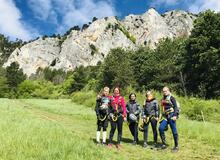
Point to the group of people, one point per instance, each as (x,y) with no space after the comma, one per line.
(116,110)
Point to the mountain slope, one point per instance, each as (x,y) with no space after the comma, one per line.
(92,44)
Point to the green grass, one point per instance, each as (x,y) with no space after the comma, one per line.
(60,129)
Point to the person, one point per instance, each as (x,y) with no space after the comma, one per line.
(150,115)
(169,116)
(102,110)
(133,113)
(117,116)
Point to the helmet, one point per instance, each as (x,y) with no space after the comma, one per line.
(132,117)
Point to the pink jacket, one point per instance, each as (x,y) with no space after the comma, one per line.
(118,101)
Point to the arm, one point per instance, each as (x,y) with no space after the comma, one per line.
(157,109)
(173,101)
(127,108)
(123,107)
(97,107)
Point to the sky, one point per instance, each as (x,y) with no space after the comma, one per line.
(28,19)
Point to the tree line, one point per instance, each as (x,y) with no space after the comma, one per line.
(189,65)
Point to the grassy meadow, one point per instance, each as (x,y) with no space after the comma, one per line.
(60,129)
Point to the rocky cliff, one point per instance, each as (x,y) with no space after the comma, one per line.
(91,45)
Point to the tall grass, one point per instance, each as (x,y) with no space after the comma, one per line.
(60,129)
(192,108)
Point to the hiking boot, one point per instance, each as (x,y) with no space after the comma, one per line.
(118,146)
(103,143)
(98,143)
(163,146)
(145,145)
(110,145)
(155,145)
(134,143)
(175,149)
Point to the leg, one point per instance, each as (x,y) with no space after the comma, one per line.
(145,134)
(131,127)
(119,126)
(136,132)
(98,131)
(174,131)
(113,127)
(162,127)
(154,128)
(104,133)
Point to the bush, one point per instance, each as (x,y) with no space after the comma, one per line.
(86,98)
(192,108)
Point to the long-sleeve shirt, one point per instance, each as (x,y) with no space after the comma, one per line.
(118,105)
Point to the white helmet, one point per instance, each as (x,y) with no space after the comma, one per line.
(132,117)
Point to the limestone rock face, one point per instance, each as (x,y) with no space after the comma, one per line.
(92,44)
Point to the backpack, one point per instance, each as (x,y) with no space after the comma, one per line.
(177,104)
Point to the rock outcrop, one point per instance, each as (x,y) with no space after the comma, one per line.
(91,45)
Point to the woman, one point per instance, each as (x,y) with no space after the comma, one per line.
(150,115)
(133,112)
(102,109)
(117,116)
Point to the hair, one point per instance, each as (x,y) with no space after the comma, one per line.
(106,88)
(131,95)
(166,87)
(118,89)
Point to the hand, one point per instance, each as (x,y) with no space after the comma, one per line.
(174,118)
(125,119)
(156,118)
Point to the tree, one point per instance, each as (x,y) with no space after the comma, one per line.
(203,56)
(3,83)
(14,76)
(117,69)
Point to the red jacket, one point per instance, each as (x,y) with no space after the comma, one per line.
(118,101)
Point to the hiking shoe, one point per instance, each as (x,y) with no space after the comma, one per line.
(175,149)
(145,145)
(163,146)
(118,146)
(98,143)
(134,143)
(103,143)
(109,145)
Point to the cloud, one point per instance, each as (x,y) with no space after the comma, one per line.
(159,3)
(194,6)
(68,13)
(11,24)
(202,5)
(41,8)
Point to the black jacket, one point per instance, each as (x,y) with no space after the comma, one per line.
(151,108)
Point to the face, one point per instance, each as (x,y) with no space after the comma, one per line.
(106,92)
(133,97)
(148,95)
(116,91)
(166,91)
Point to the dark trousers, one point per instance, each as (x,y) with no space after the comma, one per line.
(133,126)
(163,126)
(153,123)
(102,124)
(117,124)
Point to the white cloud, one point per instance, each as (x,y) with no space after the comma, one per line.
(41,8)
(202,5)
(71,12)
(194,6)
(156,3)
(11,24)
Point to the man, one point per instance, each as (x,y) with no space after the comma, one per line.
(169,116)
